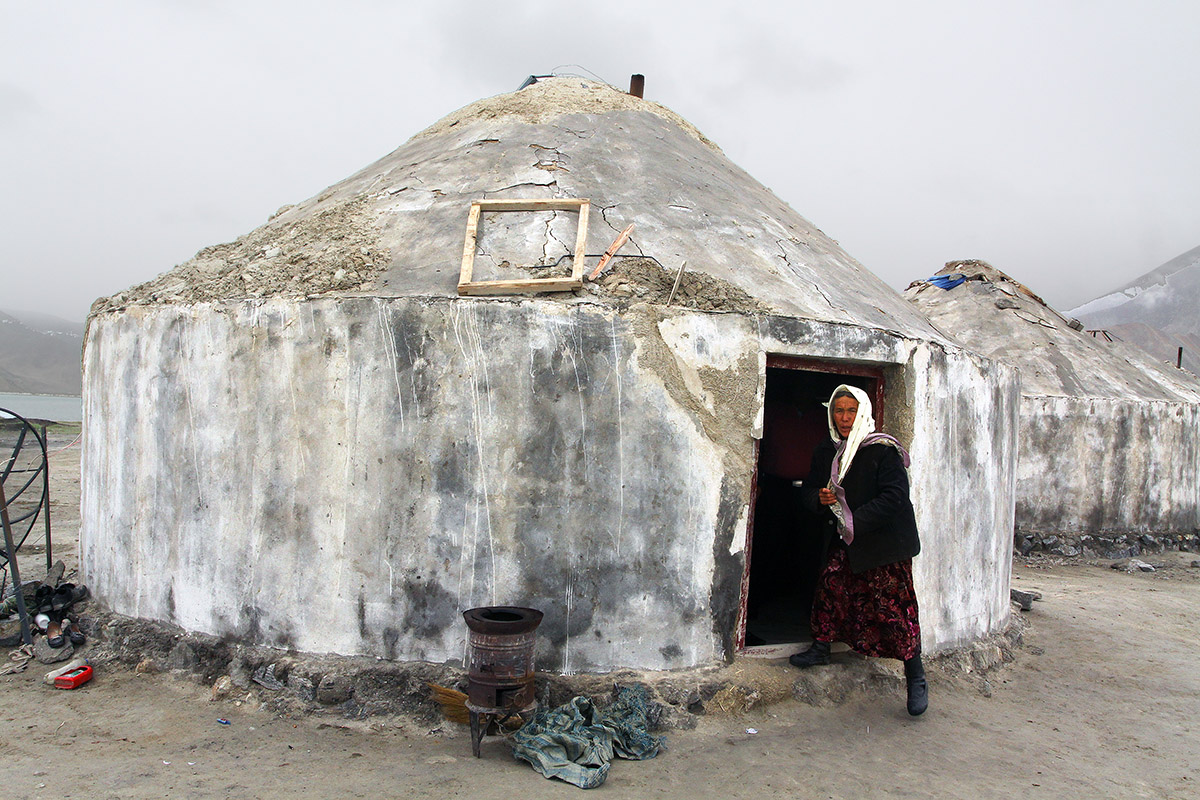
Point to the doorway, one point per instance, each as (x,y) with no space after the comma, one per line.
(784,548)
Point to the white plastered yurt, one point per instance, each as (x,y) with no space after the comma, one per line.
(332,436)
(1108,459)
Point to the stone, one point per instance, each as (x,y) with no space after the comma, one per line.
(46,654)
(265,676)
(1133,565)
(182,656)
(221,688)
(301,686)
(146,667)
(334,689)
(239,672)
(1024,599)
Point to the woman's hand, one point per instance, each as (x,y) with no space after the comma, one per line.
(826,497)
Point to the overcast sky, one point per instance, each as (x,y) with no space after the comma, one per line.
(1056,140)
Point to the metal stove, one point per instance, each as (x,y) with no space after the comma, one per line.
(500,666)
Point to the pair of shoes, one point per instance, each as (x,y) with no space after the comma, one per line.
(918,689)
(813,656)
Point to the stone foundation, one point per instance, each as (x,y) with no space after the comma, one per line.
(357,688)
(1107,544)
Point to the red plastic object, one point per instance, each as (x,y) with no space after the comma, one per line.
(73,678)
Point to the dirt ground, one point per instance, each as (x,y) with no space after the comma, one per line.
(1101,701)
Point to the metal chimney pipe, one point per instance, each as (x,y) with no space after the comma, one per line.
(637,85)
(1179,359)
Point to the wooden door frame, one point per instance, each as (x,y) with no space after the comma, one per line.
(777,361)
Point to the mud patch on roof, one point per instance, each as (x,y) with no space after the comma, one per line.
(643,280)
(337,249)
(555,97)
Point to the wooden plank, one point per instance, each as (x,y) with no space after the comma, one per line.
(469,287)
(611,251)
(531,205)
(468,259)
(581,242)
(478,288)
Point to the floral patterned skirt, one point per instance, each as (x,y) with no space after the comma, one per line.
(875,611)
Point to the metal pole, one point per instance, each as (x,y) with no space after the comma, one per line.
(26,634)
(46,496)
(1179,359)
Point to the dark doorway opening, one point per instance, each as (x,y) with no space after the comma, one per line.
(784,548)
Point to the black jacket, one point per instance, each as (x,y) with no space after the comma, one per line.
(885,527)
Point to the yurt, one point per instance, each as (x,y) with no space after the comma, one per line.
(1108,461)
(459,378)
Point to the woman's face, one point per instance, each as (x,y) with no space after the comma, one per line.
(845,409)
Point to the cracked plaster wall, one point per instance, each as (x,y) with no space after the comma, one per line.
(348,475)
(1104,467)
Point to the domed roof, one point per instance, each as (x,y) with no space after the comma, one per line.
(396,228)
(998,317)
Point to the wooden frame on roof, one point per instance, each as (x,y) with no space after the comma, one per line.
(468,286)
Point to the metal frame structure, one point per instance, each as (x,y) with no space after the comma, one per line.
(27,470)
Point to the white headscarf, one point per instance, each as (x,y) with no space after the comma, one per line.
(864,424)
(862,432)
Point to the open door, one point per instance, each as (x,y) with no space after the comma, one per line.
(784,550)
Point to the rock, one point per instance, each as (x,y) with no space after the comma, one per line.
(221,688)
(182,656)
(1132,565)
(265,676)
(46,654)
(1024,599)
(146,667)
(239,672)
(301,686)
(334,689)
(1194,564)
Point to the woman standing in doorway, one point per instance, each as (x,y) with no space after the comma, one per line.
(858,483)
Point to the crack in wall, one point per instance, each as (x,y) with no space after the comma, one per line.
(549,163)
(552,183)
(608,222)
(546,259)
(796,271)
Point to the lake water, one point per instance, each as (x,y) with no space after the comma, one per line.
(41,406)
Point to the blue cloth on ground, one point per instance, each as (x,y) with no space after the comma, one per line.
(576,741)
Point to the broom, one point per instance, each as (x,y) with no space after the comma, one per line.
(454,708)
(453,703)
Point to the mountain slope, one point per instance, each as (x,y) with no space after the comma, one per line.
(39,354)
(1159,312)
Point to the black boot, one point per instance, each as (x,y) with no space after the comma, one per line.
(918,690)
(817,654)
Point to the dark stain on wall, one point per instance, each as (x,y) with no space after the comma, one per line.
(361,608)
(726,596)
(390,638)
(431,609)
